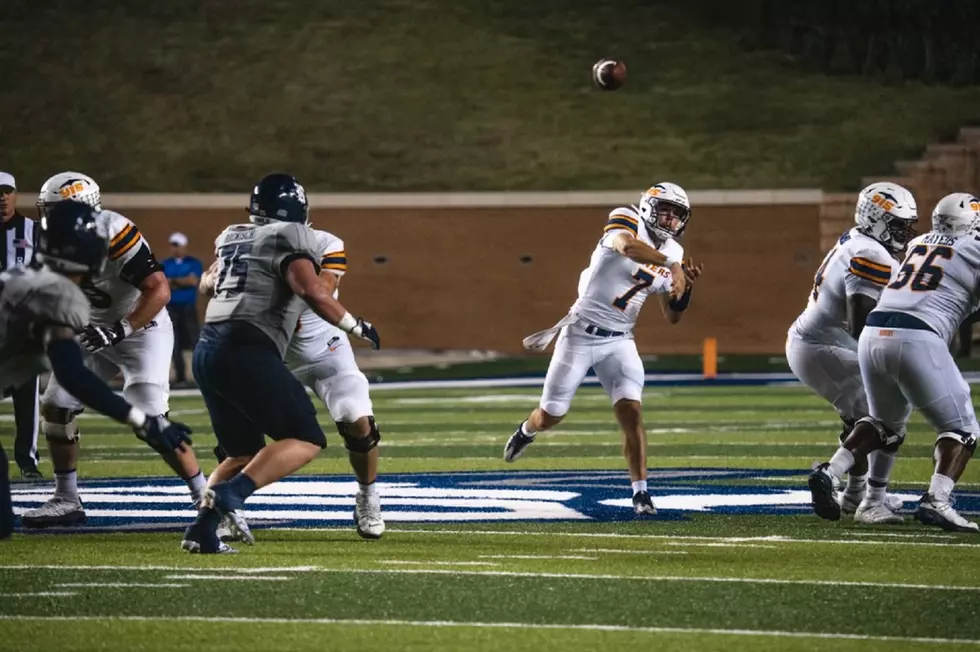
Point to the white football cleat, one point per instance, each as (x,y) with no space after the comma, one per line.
(233,527)
(893,502)
(367,515)
(875,513)
(57,512)
(932,511)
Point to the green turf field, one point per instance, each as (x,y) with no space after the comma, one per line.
(766,580)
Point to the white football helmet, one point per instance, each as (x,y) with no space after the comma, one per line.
(956,214)
(886,212)
(664,202)
(68,185)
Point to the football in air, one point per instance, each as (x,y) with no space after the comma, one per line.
(609,74)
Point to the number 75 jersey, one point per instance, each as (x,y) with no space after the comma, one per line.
(613,288)
(251,284)
(937,282)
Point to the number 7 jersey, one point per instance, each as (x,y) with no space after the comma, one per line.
(613,288)
(937,282)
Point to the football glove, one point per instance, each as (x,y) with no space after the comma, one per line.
(162,435)
(95,338)
(366,331)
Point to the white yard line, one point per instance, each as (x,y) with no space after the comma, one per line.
(240,578)
(40,594)
(695,631)
(257,570)
(538,557)
(429,562)
(527,574)
(119,585)
(617,551)
(719,544)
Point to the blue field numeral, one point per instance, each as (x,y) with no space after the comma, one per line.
(234,270)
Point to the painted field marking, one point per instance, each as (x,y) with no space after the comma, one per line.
(631,552)
(719,544)
(538,557)
(527,574)
(696,631)
(40,594)
(896,535)
(119,585)
(413,562)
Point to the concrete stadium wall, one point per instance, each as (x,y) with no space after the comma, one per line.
(465,275)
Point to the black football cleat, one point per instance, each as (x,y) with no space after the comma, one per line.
(516,445)
(823,494)
(642,504)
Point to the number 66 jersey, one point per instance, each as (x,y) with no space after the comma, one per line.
(937,283)
(251,286)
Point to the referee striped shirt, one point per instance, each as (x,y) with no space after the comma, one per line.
(20,240)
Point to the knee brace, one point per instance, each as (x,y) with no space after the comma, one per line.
(356,444)
(890,440)
(968,439)
(59,424)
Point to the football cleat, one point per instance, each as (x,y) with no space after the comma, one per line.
(233,527)
(893,502)
(189,545)
(516,445)
(31,474)
(932,511)
(367,515)
(823,494)
(201,536)
(876,513)
(57,512)
(642,505)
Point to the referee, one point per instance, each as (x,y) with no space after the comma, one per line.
(19,238)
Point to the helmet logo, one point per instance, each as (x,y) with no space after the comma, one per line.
(885,200)
(653,192)
(975,206)
(71,189)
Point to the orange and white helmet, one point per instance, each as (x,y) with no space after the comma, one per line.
(68,185)
(886,212)
(956,214)
(659,204)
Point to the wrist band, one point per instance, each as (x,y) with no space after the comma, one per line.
(680,305)
(347,323)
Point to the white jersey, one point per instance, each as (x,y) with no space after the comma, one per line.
(858,264)
(311,330)
(613,288)
(115,291)
(30,300)
(937,283)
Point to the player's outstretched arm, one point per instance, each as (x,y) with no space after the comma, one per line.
(674,306)
(303,280)
(626,244)
(75,378)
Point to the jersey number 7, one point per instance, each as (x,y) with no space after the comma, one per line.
(234,270)
(644,279)
(929,275)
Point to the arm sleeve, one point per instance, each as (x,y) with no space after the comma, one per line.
(140,265)
(76,379)
(868,274)
(333,257)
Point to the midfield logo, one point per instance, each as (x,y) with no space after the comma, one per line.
(321,501)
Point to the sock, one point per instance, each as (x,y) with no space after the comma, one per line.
(840,463)
(197,485)
(880,464)
(368,489)
(240,488)
(856,484)
(941,487)
(66,485)
(638,486)
(526,430)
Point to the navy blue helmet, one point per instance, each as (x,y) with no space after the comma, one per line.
(278,197)
(71,241)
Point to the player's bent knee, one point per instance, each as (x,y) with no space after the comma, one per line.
(149,397)
(359,443)
(968,439)
(549,419)
(59,424)
(890,440)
